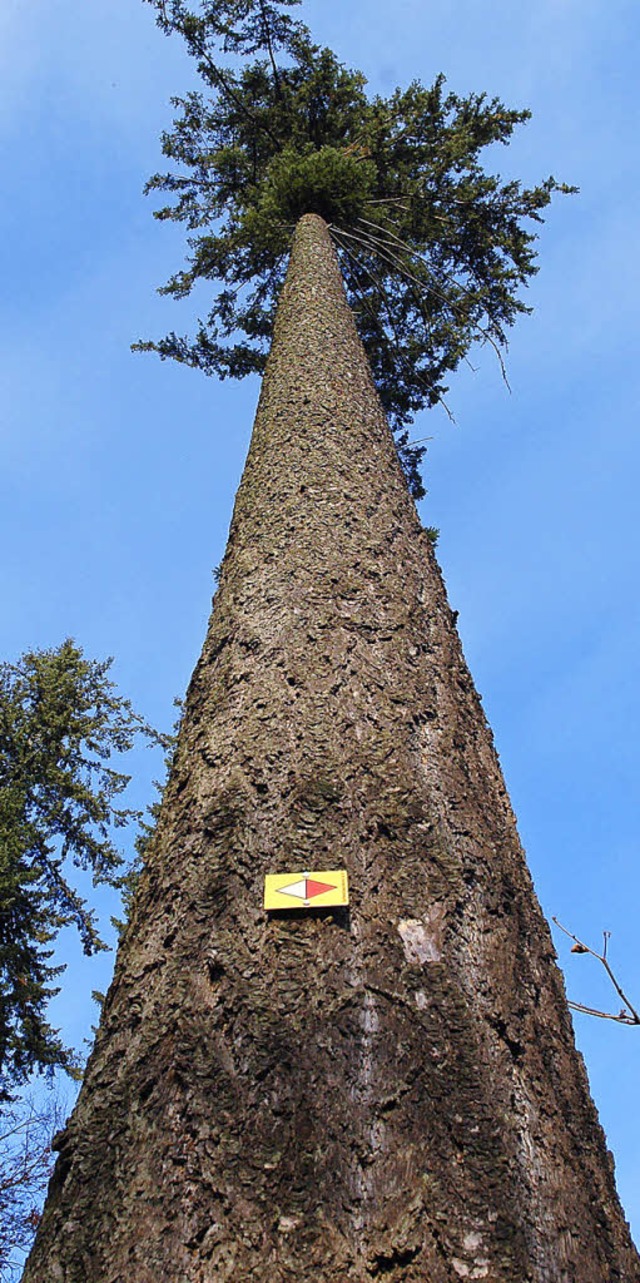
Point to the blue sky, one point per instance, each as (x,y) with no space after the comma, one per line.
(117,472)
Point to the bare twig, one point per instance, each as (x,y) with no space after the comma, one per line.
(392,239)
(340,232)
(374,244)
(377,283)
(26,1130)
(388,200)
(628,1015)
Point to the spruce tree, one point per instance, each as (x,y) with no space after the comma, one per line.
(389,1089)
(386,1090)
(64,731)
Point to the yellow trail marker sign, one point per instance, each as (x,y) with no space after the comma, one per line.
(306,890)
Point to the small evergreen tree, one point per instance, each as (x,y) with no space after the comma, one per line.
(433,249)
(61,720)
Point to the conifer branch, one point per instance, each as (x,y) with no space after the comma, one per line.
(219,79)
(267,37)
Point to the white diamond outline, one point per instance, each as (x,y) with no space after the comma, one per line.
(290,889)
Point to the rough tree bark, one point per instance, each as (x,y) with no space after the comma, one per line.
(390,1090)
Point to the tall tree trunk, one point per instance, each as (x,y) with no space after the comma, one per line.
(390,1090)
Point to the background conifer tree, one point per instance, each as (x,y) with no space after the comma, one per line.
(63,730)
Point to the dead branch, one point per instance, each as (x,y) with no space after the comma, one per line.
(391,238)
(26,1130)
(628,1014)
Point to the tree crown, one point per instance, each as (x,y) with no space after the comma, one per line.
(434,250)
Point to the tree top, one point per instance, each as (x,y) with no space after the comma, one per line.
(434,248)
